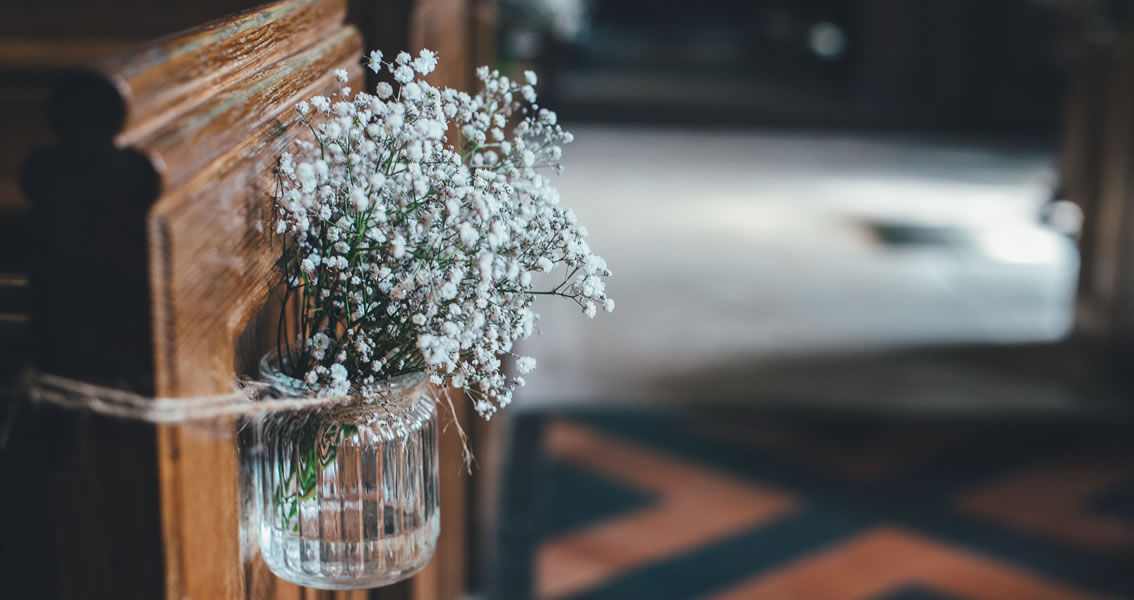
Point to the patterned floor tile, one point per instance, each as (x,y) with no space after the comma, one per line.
(664,504)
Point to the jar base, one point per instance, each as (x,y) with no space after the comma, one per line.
(348,565)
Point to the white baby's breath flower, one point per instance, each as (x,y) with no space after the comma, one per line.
(321,341)
(305,173)
(359,200)
(425,62)
(343,109)
(403,74)
(417,250)
(287,164)
(411,91)
(342,75)
(468,234)
(375,61)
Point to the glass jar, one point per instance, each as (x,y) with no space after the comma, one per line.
(347,495)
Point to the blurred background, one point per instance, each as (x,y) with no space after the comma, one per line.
(847,361)
(874,271)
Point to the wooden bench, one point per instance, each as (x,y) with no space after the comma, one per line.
(152,268)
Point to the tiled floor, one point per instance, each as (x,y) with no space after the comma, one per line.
(627,503)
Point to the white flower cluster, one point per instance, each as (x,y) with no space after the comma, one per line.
(408,251)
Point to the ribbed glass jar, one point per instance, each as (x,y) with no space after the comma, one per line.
(348,494)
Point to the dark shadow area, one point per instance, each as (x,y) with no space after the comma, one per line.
(937,64)
(1017,380)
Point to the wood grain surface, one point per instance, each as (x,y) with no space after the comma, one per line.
(153,270)
(168,146)
(165,78)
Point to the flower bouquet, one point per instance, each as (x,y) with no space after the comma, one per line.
(419,225)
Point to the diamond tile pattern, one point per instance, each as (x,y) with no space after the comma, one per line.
(626,504)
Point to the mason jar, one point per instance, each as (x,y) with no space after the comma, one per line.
(347,494)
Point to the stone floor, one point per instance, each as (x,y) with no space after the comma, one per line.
(814,270)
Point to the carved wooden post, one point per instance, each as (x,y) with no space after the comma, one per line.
(153,259)
(153,270)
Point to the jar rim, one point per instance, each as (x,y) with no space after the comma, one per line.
(271,373)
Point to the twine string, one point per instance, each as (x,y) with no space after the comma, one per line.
(248,398)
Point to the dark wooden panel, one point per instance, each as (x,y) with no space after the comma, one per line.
(151,85)
(110,19)
(154,272)
(88,273)
(83,507)
(200,116)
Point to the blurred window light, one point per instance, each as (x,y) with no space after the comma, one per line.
(1025,245)
(568,17)
(827,40)
(525,44)
(1065,217)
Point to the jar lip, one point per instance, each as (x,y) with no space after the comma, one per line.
(271,373)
